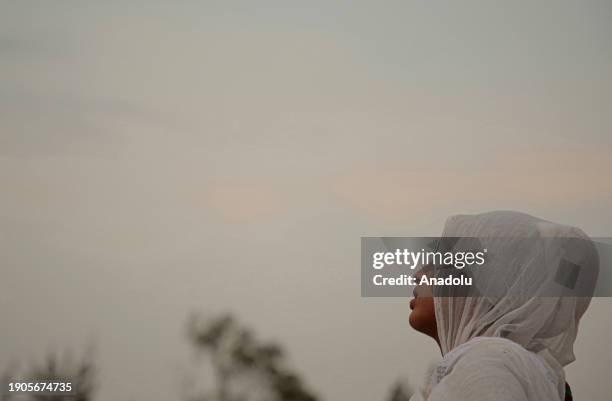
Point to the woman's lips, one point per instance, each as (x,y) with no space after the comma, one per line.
(413,300)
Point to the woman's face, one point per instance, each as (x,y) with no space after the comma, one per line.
(423,315)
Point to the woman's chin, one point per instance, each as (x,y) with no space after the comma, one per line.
(422,317)
(413,319)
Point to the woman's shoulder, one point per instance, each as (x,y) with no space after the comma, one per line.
(483,351)
(501,353)
(496,364)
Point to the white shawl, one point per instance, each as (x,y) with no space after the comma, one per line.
(499,347)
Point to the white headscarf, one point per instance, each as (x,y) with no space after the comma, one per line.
(537,321)
(506,337)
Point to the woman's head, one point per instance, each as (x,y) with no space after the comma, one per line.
(526,290)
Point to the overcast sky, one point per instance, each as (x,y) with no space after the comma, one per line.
(158,158)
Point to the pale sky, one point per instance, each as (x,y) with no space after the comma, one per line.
(157,158)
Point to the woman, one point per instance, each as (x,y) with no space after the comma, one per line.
(508,336)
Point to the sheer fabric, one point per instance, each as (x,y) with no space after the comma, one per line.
(506,301)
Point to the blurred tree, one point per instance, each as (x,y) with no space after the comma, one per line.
(400,392)
(245,368)
(80,373)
